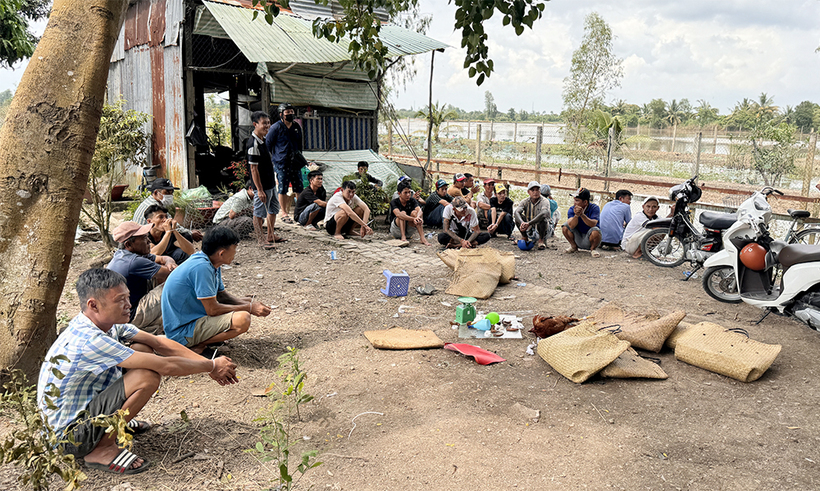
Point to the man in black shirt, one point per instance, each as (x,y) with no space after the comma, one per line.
(406,214)
(435,204)
(312,202)
(265,203)
(501,213)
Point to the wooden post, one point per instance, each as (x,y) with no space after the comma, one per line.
(674,136)
(714,137)
(478,143)
(468,130)
(515,132)
(539,138)
(408,126)
(430,120)
(697,154)
(808,173)
(491,131)
(638,129)
(390,137)
(609,144)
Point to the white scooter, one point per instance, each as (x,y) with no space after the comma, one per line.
(770,274)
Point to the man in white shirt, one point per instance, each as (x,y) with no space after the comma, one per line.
(235,212)
(344,210)
(636,229)
(461,229)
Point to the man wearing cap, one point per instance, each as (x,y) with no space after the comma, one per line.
(162,194)
(471,188)
(459,180)
(546,192)
(581,229)
(636,228)
(265,202)
(532,216)
(142,270)
(284,143)
(501,213)
(482,203)
(461,226)
(406,214)
(362,169)
(435,204)
(614,218)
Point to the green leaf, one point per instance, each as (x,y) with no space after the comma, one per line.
(57,373)
(260,447)
(480,79)
(283,473)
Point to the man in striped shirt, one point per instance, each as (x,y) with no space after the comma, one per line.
(90,356)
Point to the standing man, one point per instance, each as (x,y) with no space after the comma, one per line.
(284,142)
(144,274)
(312,202)
(265,204)
(461,226)
(407,215)
(162,194)
(196,308)
(532,215)
(614,218)
(581,229)
(482,203)
(435,204)
(91,381)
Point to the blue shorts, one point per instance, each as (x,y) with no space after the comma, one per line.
(287,175)
(270,207)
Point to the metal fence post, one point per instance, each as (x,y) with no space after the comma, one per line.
(610,140)
(539,138)
(478,144)
(515,132)
(468,130)
(491,131)
(697,154)
(809,170)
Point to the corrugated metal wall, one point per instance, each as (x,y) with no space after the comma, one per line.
(338,133)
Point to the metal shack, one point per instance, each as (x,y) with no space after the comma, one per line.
(171,53)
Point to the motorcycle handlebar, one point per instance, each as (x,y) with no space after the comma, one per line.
(768,190)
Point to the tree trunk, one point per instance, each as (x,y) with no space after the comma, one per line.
(46,146)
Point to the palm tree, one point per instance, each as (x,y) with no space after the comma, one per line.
(437,116)
(764,107)
(673,113)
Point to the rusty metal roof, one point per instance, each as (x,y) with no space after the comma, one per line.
(290,39)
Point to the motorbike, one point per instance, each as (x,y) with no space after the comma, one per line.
(773,275)
(675,240)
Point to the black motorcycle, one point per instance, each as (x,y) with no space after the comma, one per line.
(676,239)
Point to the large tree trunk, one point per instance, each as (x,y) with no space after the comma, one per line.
(46,146)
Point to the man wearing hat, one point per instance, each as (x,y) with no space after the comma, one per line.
(533,215)
(581,229)
(162,194)
(501,213)
(459,181)
(435,204)
(482,203)
(546,192)
(142,270)
(461,226)
(636,228)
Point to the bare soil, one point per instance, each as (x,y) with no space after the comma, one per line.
(449,423)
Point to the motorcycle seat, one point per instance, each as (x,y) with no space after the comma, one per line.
(721,221)
(799,213)
(797,254)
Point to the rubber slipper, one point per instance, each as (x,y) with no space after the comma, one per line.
(594,253)
(570,250)
(268,247)
(121,464)
(287,219)
(138,427)
(541,247)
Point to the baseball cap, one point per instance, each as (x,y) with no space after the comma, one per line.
(545,190)
(533,184)
(161,183)
(500,187)
(459,203)
(440,183)
(126,230)
(459,177)
(404,178)
(650,198)
(582,194)
(489,181)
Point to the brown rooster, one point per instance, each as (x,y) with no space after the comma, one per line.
(544,326)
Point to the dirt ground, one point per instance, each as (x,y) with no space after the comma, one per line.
(446,422)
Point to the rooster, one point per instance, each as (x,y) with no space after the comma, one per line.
(544,326)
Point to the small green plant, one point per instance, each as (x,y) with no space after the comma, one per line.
(136,200)
(286,395)
(34,445)
(376,199)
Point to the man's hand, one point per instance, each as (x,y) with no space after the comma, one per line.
(492,228)
(196,235)
(224,371)
(169,262)
(259,309)
(365,230)
(524,226)
(418,220)
(466,244)
(578,210)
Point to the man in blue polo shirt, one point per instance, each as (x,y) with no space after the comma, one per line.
(196,309)
(581,229)
(614,218)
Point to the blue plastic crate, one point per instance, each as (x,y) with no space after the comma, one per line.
(397,284)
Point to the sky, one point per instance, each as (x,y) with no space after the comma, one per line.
(720,52)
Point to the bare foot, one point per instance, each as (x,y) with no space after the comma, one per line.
(339,237)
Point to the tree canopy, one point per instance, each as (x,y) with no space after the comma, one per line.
(16,42)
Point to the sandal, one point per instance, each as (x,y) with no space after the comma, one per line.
(121,464)
(268,246)
(570,250)
(287,219)
(138,427)
(541,247)
(594,253)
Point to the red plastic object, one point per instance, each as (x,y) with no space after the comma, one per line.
(482,356)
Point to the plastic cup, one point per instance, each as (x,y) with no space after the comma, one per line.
(493,317)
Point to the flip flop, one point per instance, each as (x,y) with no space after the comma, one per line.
(121,464)
(570,250)
(287,219)
(541,247)
(138,427)
(268,246)
(594,253)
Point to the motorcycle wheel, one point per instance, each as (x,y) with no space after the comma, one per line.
(719,282)
(806,236)
(662,250)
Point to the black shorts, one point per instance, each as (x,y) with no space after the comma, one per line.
(330,226)
(86,435)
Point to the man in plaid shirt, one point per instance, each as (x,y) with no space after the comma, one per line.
(93,379)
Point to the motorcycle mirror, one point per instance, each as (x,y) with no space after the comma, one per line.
(778,192)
